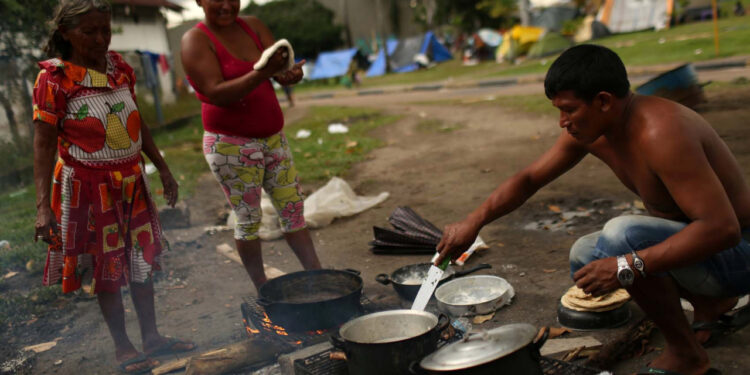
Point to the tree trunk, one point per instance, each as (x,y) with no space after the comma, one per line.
(12,123)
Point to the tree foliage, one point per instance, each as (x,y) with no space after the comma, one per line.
(307,24)
(23,30)
(469,15)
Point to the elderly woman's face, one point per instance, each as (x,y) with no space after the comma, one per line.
(220,12)
(90,37)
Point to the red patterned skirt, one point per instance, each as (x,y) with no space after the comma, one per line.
(108,227)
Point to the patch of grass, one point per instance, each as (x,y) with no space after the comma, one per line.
(436,126)
(323,155)
(186,105)
(183,152)
(538,104)
(739,82)
(19,214)
(528,103)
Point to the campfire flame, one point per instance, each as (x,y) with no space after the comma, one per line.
(269,326)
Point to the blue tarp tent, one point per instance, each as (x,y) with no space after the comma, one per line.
(332,64)
(378,66)
(403,54)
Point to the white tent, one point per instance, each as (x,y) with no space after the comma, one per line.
(622,16)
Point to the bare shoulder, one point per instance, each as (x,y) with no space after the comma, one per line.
(194,38)
(659,120)
(253,21)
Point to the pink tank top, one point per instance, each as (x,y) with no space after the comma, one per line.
(258,114)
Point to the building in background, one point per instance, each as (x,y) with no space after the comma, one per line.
(139,32)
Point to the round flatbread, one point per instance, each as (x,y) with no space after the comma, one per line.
(268,52)
(576,299)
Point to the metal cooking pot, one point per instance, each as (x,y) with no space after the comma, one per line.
(407,280)
(388,342)
(473,295)
(509,349)
(312,300)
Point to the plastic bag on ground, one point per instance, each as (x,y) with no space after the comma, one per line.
(335,199)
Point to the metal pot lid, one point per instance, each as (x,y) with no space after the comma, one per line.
(480,348)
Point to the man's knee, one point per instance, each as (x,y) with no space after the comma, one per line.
(615,231)
(582,251)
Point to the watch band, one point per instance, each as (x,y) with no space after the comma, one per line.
(638,264)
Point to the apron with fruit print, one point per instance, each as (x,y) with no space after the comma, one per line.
(107,222)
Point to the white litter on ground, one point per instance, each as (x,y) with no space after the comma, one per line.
(335,199)
(338,128)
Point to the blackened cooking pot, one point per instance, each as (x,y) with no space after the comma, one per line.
(312,300)
(508,349)
(388,342)
(408,279)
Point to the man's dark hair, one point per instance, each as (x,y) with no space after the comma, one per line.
(586,70)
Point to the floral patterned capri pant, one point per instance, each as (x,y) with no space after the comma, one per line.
(244,166)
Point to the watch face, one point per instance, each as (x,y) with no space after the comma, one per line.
(625,276)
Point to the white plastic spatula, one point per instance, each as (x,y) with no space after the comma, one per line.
(430,283)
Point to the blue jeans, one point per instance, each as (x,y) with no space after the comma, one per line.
(724,274)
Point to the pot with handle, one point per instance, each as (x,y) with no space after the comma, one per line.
(312,300)
(508,349)
(407,279)
(388,342)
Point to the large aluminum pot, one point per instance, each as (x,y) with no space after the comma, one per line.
(473,295)
(508,349)
(388,342)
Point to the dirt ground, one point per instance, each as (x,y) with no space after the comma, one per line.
(442,176)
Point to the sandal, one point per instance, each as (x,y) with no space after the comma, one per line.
(653,370)
(168,347)
(140,358)
(726,324)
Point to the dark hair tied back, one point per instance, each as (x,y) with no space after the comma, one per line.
(67,15)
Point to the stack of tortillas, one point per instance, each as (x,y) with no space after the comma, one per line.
(576,299)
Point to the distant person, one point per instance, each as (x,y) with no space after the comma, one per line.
(739,10)
(695,243)
(243,141)
(99,218)
(289,93)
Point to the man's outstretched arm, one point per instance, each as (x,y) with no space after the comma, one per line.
(511,194)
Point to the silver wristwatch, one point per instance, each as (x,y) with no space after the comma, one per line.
(638,264)
(625,274)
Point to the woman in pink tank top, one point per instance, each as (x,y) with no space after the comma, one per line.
(243,140)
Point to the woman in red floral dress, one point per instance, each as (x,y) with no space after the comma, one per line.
(93,204)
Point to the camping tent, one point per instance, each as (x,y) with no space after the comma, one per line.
(333,64)
(622,16)
(377,68)
(406,53)
(517,42)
